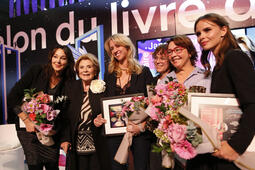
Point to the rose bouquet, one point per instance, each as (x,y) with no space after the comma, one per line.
(175,133)
(181,132)
(40,109)
(133,110)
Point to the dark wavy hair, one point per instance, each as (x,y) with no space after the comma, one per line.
(68,72)
(185,42)
(228,41)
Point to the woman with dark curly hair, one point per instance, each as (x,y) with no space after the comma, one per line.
(51,79)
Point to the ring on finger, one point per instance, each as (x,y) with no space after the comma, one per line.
(216,150)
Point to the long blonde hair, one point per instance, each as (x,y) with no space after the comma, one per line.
(122,40)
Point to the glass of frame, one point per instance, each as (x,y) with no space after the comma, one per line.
(111,107)
(221,111)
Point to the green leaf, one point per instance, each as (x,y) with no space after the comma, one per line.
(43,115)
(162,108)
(170,79)
(28,93)
(156,148)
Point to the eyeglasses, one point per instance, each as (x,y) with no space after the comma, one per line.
(177,50)
(160,58)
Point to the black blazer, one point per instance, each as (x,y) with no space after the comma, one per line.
(237,76)
(138,82)
(155,79)
(74,93)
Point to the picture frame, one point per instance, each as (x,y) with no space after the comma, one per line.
(221,111)
(111,107)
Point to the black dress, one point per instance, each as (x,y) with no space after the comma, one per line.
(236,76)
(141,143)
(34,151)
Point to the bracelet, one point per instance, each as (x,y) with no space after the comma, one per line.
(141,128)
(25,119)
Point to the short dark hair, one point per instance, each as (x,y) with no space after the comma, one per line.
(161,48)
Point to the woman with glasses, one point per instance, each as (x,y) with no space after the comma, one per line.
(183,56)
(161,62)
(163,67)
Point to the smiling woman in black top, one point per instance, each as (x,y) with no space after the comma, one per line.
(233,73)
(51,79)
(126,76)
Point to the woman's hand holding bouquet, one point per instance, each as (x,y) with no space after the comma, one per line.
(39,109)
(180,132)
(175,133)
(133,111)
(134,114)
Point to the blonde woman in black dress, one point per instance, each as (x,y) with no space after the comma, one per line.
(126,76)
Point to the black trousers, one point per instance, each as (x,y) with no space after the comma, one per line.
(36,153)
(88,162)
(209,162)
(48,166)
(140,148)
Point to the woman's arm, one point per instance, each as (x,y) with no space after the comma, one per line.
(16,94)
(241,72)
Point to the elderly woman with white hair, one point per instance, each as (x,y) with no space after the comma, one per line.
(82,140)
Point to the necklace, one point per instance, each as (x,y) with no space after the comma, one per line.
(125,83)
(123,69)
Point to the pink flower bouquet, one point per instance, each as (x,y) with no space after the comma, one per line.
(40,109)
(133,110)
(175,133)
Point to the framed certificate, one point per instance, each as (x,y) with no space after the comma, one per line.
(112,107)
(221,111)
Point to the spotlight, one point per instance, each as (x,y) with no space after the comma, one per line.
(124,3)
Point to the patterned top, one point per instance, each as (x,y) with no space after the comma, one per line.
(196,78)
(85,143)
(85,116)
